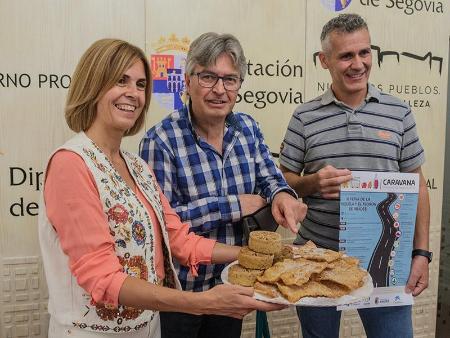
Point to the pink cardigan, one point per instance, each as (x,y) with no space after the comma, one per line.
(75,211)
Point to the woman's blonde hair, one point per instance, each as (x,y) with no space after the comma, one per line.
(98,70)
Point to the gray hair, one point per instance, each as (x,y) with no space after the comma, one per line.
(206,49)
(343,23)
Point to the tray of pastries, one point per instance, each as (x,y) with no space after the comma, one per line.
(298,275)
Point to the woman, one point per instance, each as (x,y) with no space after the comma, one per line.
(107,233)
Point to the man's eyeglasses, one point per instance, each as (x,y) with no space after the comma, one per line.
(209,80)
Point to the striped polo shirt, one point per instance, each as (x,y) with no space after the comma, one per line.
(380,135)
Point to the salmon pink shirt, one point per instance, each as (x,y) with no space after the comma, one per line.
(75,211)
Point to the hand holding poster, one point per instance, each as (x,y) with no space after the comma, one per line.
(377,220)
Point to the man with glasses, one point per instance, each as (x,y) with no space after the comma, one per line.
(214,167)
(352,126)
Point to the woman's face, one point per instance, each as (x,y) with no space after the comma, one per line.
(121,106)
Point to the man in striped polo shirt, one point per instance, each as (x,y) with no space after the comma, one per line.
(352,126)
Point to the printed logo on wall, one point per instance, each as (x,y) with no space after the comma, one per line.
(167,66)
(336,5)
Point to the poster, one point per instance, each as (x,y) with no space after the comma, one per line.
(377,220)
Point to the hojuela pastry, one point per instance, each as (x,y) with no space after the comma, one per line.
(336,289)
(294,293)
(351,277)
(292,271)
(268,290)
(312,252)
(242,276)
(351,260)
(303,272)
(254,260)
(265,242)
(272,275)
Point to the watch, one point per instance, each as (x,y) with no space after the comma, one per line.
(425,253)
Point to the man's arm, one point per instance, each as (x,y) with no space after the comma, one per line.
(418,278)
(287,210)
(327,181)
(269,179)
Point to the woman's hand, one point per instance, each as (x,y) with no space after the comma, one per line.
(226,300)
(233,301)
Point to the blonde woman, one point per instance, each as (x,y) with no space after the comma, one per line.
(107,233)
